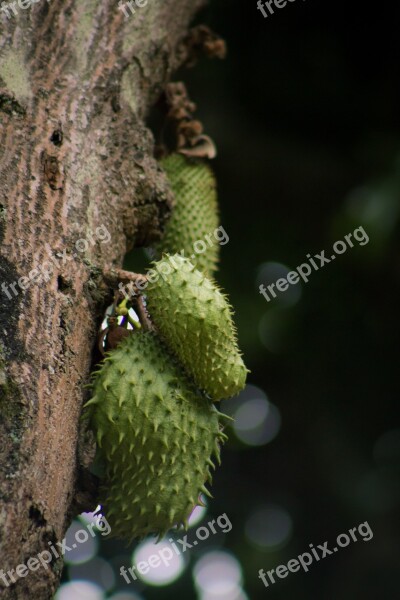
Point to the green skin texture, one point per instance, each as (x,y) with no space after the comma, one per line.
(156,434)
(195,215)
(195,320)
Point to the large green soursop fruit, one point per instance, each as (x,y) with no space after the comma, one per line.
(156,435)
(195,321)
(195,215)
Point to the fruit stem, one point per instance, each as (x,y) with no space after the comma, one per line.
(143,316)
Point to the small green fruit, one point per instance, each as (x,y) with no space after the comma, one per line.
(156,435)
(195,321)
(195,215)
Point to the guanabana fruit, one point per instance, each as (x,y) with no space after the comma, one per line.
(195,320)
(156,435)
(195,215)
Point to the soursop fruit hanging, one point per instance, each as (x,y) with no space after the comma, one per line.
(195,215)
(156,434)
(195,320)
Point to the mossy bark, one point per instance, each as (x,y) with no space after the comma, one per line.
(76,82)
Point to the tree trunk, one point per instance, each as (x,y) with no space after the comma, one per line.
(79,186)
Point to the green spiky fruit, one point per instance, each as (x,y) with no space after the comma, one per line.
(195,321)
(156,435)
(194,219)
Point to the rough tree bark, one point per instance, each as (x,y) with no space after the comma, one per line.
(76,82)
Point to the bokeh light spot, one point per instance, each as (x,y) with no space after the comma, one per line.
(269,527)
(198,513)
(167,568)
(97,571)
(218,575)
(234,594)
(83,546)
(125,596)
(257,422)
(79,590)
(269,273)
